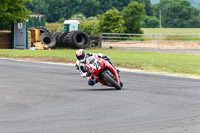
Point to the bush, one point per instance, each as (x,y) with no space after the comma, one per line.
(91,27)
(150,22)
(133,15)
(111,22)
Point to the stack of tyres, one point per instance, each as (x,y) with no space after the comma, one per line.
(56,35)
(62,41)
(58,38)
(77,39)
(73,39)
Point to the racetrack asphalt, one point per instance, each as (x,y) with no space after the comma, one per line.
(54,98)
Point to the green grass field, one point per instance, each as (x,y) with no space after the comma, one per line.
(161,62)
(54,26)
(171,30)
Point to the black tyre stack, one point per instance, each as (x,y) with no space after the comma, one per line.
(77,39)
(73,39)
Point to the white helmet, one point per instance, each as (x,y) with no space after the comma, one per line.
(80,55)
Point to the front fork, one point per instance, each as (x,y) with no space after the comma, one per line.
(110,73)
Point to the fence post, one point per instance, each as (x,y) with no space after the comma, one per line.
(100,40)
(158,41)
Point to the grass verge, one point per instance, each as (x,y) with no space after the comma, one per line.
(162,62)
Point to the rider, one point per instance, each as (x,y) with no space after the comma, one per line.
(81,64)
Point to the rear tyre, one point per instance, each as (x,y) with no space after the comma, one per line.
(112,81)
(121,84)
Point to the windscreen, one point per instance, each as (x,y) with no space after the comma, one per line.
(90,60)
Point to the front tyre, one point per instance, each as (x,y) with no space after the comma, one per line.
(112,81)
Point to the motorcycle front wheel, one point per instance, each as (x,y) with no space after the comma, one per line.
(112,81)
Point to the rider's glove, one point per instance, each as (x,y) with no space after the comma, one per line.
(83,70)
(106,57)
(100,55)
(89,54)
(83,74)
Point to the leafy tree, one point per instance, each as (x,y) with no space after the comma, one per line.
(71,7)
(13,11)
(109,4)
(181,14)
(160,6)
(105,5)
(38,6)
(150,22)
(178,14)
(148,6)
(90,27)
(89,8)
(120,4)
(133,15)
(55,10)
(175,13)
(111,21)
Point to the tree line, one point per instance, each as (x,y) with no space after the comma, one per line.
(171,13)
(166,13)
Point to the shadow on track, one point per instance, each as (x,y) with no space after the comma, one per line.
(96,89)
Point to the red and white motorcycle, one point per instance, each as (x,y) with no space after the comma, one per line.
(103,72)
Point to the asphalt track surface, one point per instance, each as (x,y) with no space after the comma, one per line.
(51,98)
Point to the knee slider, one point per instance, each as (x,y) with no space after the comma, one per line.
(90,82)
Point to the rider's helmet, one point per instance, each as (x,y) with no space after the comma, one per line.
(80,55)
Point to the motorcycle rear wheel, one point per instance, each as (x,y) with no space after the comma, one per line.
(112,81)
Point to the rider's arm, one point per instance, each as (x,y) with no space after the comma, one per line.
(81,68)
(100,55)
(77,65)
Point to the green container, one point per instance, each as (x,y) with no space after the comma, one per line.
(66,27)
(71,25)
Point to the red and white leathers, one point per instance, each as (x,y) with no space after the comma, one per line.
(82,68)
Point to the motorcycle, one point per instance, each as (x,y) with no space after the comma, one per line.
(103,72)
